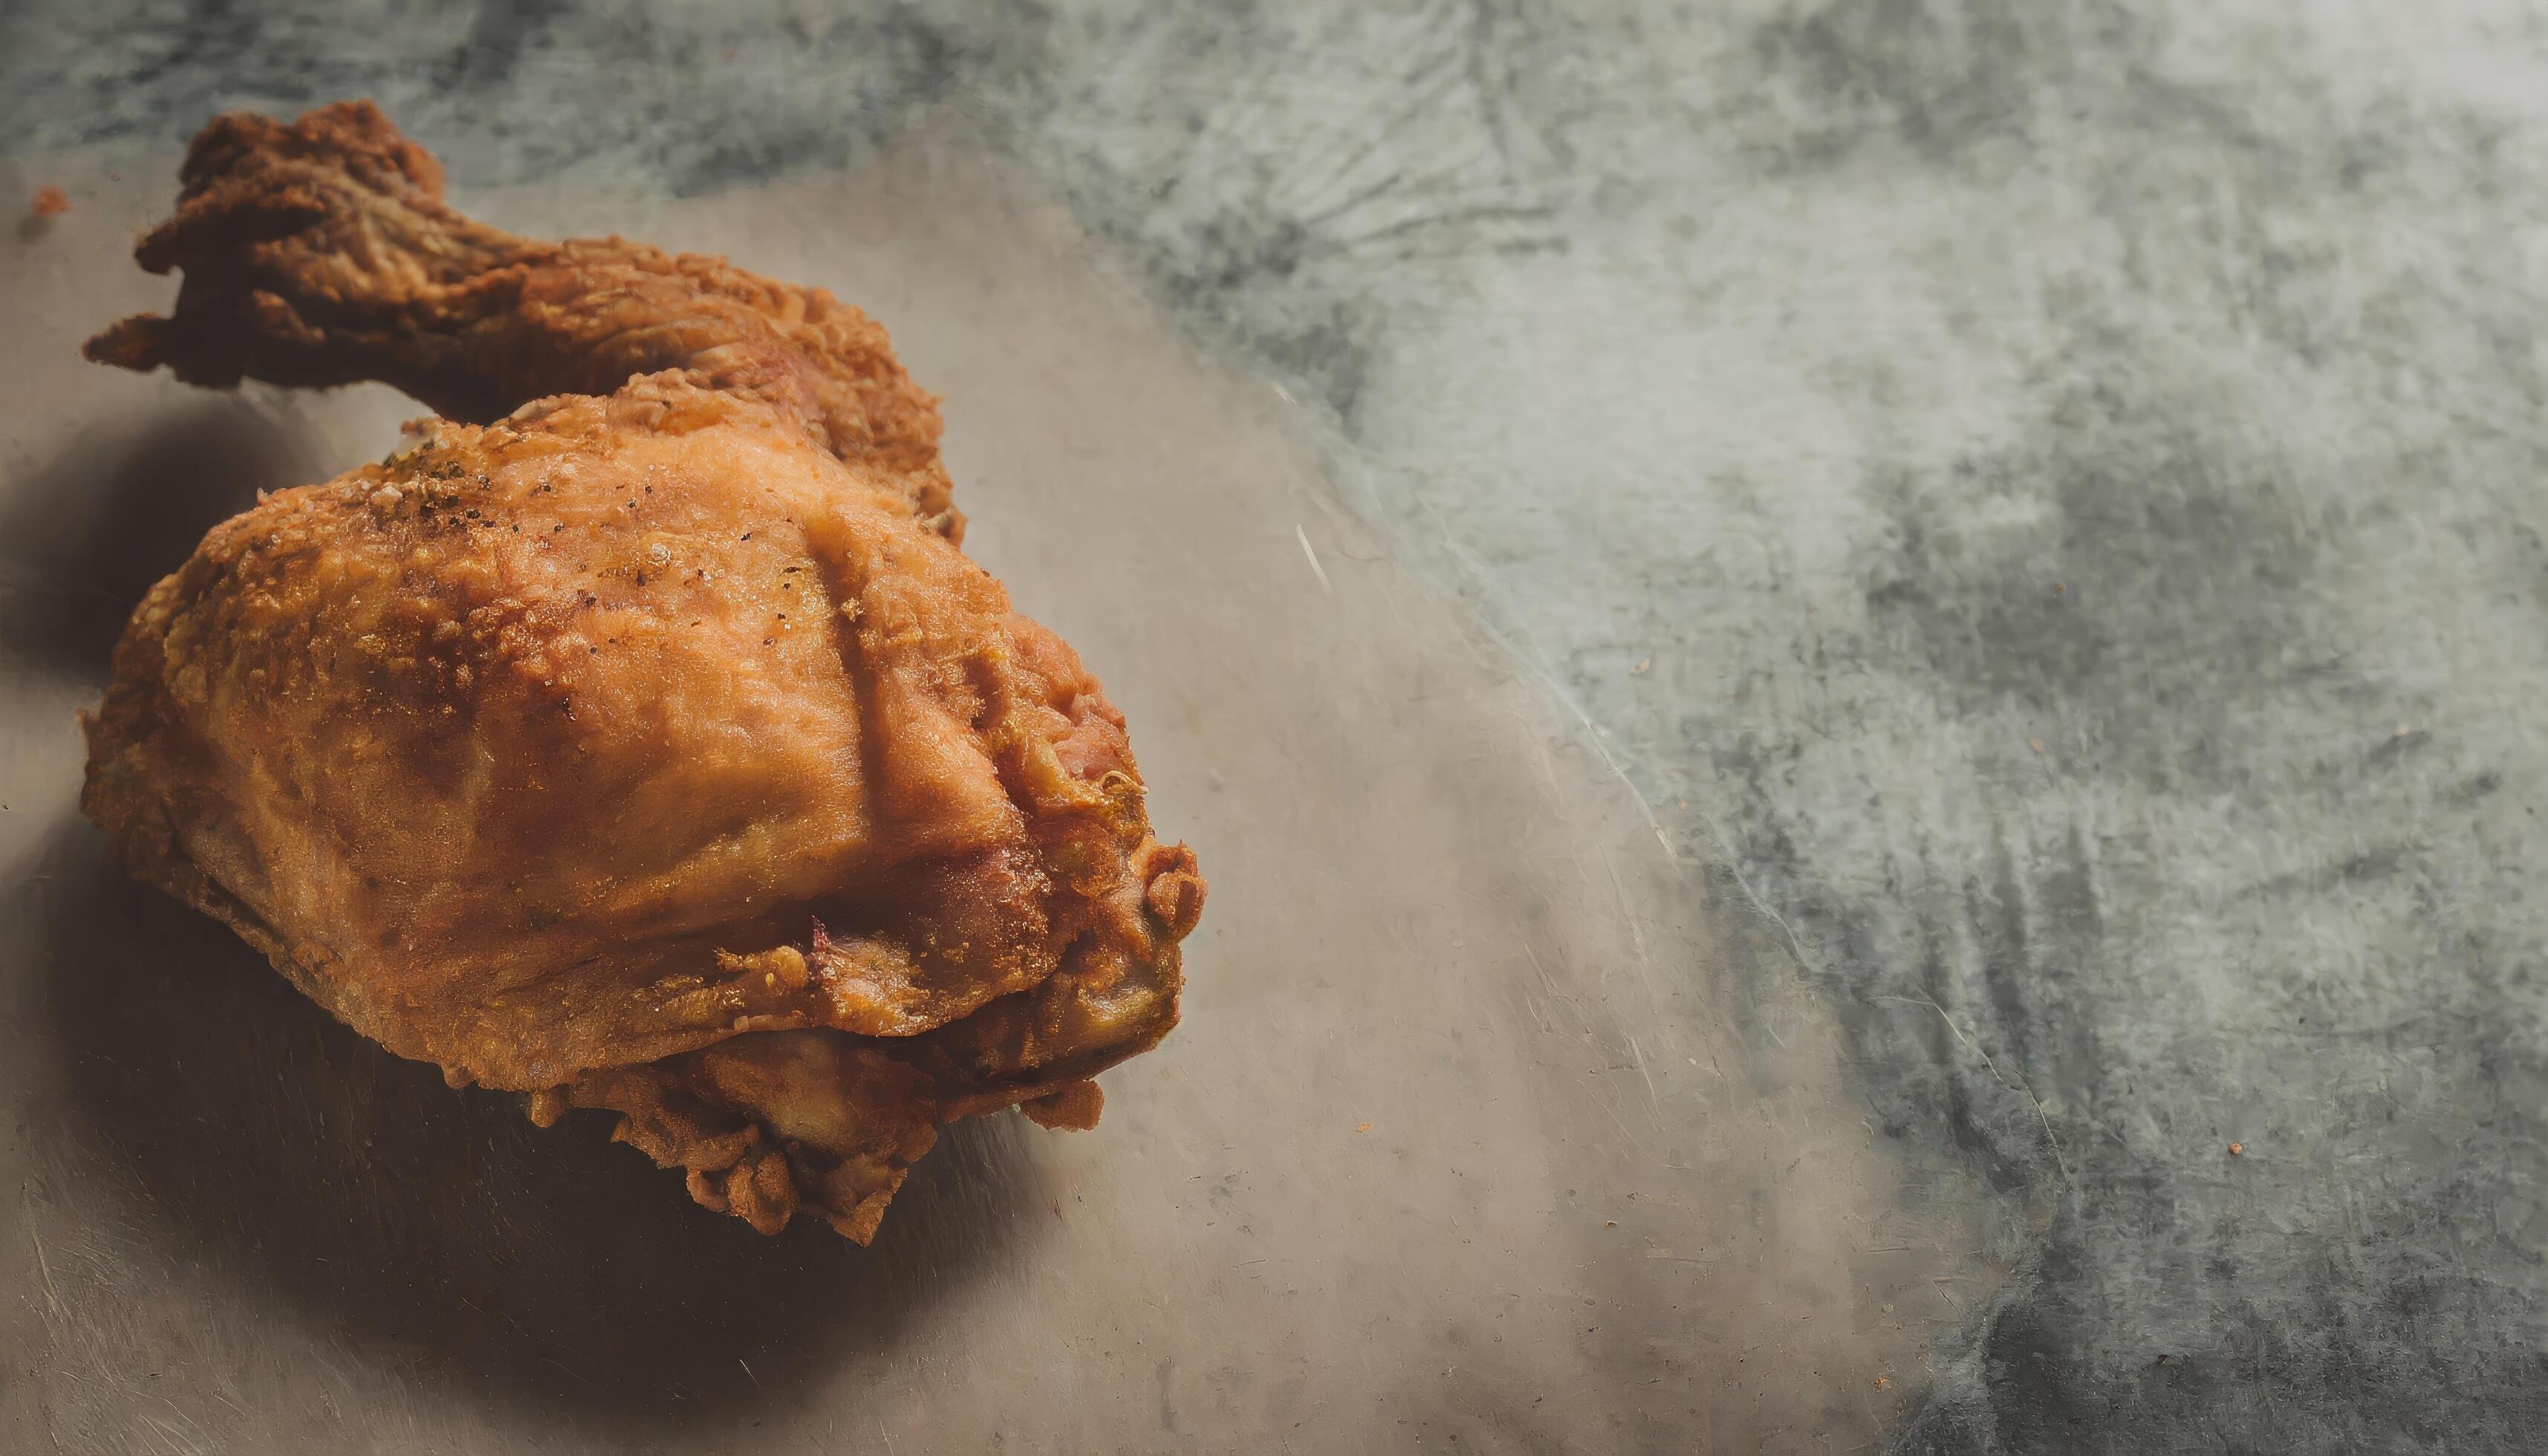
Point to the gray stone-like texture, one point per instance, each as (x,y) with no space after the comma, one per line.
(2042,496)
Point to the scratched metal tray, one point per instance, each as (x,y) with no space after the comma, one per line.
(1488,1123)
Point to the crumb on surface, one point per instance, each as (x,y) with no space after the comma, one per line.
(49,201)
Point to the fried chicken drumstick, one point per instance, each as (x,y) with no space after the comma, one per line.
(638,738)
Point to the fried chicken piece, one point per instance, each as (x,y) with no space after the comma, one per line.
(651,749)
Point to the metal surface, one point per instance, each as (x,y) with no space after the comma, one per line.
(1490,1125)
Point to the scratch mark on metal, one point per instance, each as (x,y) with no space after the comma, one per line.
(1529,663)
(1613,1113)
(43,1266)
(2018,1087)
(1636,932)
(1302,534)
(1637,1053)
(1544,977)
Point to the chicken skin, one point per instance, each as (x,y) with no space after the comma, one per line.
(647,745)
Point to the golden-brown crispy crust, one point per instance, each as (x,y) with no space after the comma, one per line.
(642,750)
